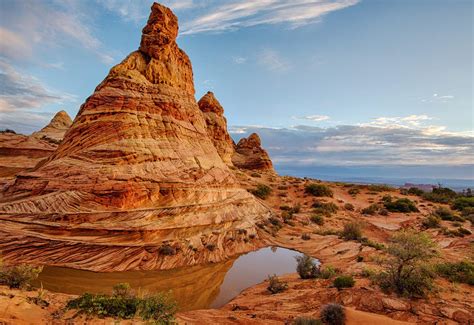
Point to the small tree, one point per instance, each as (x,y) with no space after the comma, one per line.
(406,272)
(307,267)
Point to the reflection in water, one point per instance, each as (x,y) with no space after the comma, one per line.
(194,287)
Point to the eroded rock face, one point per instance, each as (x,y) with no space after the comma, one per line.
(136,171)
(56,129)
(217,126)
(249,154)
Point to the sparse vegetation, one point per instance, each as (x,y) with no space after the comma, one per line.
(326,209)
(349,207)
(306,236)
(400,205)
(344,281)
(415,191)
(440,195)
(352,231)
(159,308)
(211,247)
(318,190)
(462,272)
(371,209)
(317,219)
(431,221)
(307,267)
(333,314)
(353,191)
(167,250)
(262,191)
(19,276)
(327,272)
(406,271)
(275,285)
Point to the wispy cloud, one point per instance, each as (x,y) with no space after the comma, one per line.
(247,13)
(33,26)
(273,61)
(239,59)
(315,118)
(437,98)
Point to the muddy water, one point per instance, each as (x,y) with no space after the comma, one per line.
(195,287)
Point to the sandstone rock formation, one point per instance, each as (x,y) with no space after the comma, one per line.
(55,130)
(249,154)
(217,126)
(136,183)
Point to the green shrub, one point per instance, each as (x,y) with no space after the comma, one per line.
(444,213)
(440,195)
(159,308)
(19,276)
(383,212)
(415,191)
(333,314)
(307,267)
(327,272)
(318,190)
(349,207)
(353,191)
(275,285)
(368,273)
(379,188)
(405,271)
(371,209)
(352,231)
(344,281)
(326,209)
(462,203)
(262,191)
(462,272)
(400,205)
(431,221)
(367,242)
(306,321)
(275,221)
(317,219)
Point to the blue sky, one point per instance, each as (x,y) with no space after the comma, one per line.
(345,82)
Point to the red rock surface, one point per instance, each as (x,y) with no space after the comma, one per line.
(56,129)
(249,154)
(136,170)
(217,126)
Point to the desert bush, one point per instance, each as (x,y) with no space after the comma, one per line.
(333,314)
(122,290)
(462,203)
(275,221)
(400,205)
(317,219)
(344,281)
(275,285)
(405,271)
(262,191)
(360,258)
(352,231)
(367,242)
(326,209)
(307,267)
(19,276)
(306,321)
(349,207)
(306,236)
(159,308)
(167,250)
(415,191)
(327,272)
(371,209)
(353,191)
(431,221)
(462,272)
(368,273)
(383,212)
(379,188)
(211,247)
(444,213)
(440,195)
(318,190)
(8,131)
(327,232)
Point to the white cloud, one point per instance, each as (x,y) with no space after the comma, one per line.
(316,118)
(247,13)
(239,59)
(437,98)
(273,61)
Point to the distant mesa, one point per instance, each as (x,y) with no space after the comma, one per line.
(136,171)
(249,154)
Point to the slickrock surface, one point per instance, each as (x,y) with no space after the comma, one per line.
(217,126)
(136,171)
(56,129)
(249,154)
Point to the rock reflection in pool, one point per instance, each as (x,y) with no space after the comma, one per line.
(195,287)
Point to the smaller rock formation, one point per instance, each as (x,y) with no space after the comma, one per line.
(249,154)
(55,130)
(217,126)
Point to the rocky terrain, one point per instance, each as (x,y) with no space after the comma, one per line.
(146,178)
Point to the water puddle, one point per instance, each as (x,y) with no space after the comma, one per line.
(195,287)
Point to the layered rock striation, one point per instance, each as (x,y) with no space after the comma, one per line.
(56,129)
(217,126)
(249,154)
(136,183)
